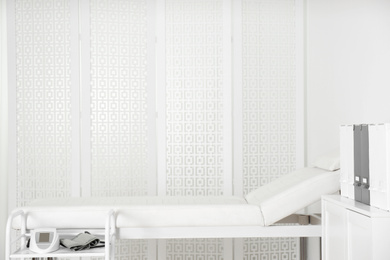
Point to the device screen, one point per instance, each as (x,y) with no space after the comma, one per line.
(44,237)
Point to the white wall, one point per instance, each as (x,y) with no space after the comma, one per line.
(3,129)
(347,71)
(348,61)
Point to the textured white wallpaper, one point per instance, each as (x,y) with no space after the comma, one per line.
(194,112)
(119,103)
(268,91)
(4,124)
(43,99)
(194,97)
(269,109)
(119,98)
(194,249)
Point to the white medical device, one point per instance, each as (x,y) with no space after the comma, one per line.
(44,240)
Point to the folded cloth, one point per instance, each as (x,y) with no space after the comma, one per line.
(82,241)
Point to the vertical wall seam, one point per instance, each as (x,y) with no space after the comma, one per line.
(12,167)
(300,83)
(152,76)
(227,90)
(161,97)
(237,99)
(75,100)
(4,123)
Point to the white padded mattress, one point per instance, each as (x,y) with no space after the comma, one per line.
(142,212)
(292,192)
(262,207)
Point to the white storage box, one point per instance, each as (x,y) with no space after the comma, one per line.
(379,152)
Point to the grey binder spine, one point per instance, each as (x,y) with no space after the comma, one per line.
(365,169)
(361,164)
(357,165)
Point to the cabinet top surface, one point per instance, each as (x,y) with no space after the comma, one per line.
(356,206)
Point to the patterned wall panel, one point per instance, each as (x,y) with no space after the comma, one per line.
(271,248)
(119,98)
(132,249)
(194,103)
(195,249)
(128,250)
(194,110)
(43,99)
(119,103)
(269,91)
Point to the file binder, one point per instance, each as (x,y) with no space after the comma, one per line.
(365,165)
(379,165)
(347,161)
(357,165)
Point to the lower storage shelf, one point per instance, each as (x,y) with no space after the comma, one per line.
(62,252)
(104,233)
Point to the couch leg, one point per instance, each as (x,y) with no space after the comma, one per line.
(302,248)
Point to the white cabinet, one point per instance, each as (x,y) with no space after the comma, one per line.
(359,236)
(354,231)
(334,232)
